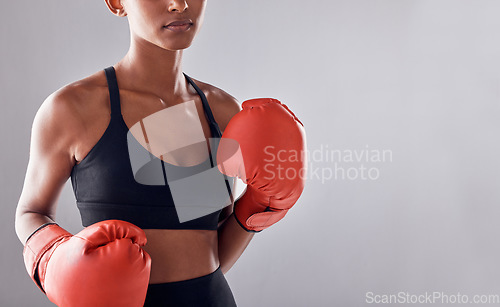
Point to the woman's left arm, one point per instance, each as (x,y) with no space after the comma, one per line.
(232,238)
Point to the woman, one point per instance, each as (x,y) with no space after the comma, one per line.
(98,131)
(78,116)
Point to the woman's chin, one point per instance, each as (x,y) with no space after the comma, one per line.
(175,45)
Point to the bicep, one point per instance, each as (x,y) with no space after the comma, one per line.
(50,159)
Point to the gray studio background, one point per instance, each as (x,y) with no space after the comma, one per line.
(419,78)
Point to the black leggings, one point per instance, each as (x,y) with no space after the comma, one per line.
(210,290)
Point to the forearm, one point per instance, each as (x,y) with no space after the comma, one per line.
(27,222)
(233,240)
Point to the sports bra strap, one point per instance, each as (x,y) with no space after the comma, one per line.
(114,97)
(214,127)
(114,94)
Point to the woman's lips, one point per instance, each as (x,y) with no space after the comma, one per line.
(179,26)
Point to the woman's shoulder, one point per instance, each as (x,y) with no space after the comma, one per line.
(83,90)
(64,114)
(70,107)
(223,105)
(75,99)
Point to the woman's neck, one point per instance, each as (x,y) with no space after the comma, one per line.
(149,68)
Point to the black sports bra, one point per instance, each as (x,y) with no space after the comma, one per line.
(107,187)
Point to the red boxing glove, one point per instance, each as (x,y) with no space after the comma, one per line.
(103,265)
(264,145)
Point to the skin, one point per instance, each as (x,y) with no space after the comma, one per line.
(72,120)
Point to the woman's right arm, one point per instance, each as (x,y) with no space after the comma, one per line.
(51,159)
